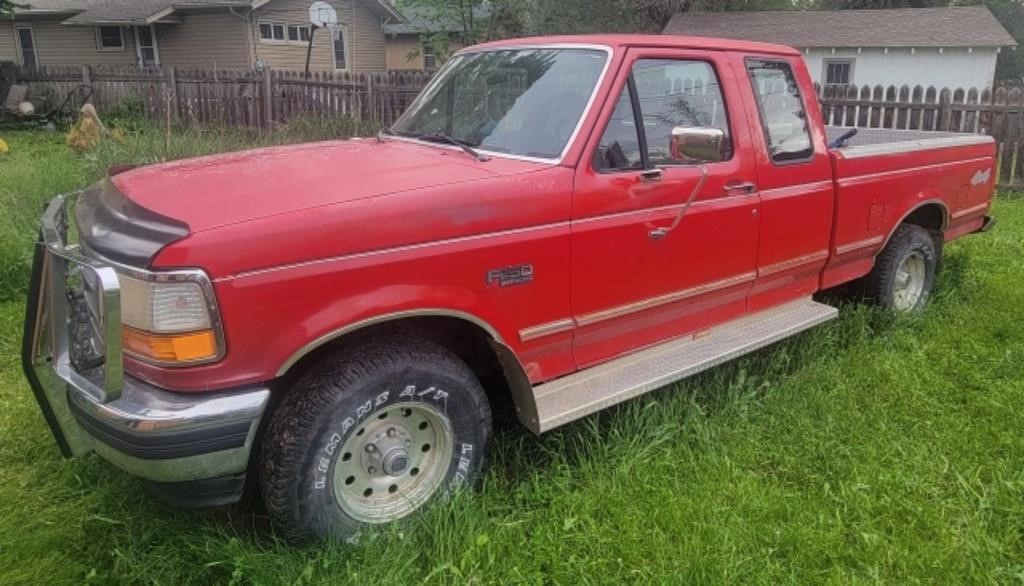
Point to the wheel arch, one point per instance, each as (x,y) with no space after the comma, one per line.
(930,214)
(473,340)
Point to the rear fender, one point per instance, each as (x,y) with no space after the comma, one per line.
(923,200)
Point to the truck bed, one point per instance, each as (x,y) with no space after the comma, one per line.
(882,175)
(880,141)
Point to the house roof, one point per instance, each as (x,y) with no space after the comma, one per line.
(134,12)
(960,26)
(419,20)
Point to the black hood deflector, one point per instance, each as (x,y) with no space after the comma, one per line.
(121,230)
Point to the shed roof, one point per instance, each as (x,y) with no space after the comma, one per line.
(959,26)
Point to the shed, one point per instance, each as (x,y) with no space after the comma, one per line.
(942,47)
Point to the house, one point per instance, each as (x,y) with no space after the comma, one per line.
(208,34)
(942,47)
(425,39)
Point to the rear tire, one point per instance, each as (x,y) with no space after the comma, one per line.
(904,272)
(370,436)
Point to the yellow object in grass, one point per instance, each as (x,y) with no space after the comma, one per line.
(4,149)
(85,135)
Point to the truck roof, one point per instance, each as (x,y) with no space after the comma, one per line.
(626,41)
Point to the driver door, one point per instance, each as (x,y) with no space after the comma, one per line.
(633,283)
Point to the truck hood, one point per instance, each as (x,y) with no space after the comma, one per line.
(208,192)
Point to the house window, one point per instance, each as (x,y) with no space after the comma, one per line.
(145,43)
(110,38)
(429,57)
(270,31)
(275,32)
(298,34)
(839,71)
(338,35)
(26,46)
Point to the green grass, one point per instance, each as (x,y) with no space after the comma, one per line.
(869,450)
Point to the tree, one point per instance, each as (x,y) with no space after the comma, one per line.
(628,16)
(464,22)
(7,8)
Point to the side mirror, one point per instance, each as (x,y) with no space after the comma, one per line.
(697,145)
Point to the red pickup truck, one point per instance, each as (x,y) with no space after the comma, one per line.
(556,224)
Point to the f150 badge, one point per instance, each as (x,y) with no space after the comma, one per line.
(513,275)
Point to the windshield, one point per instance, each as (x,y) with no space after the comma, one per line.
(525,102)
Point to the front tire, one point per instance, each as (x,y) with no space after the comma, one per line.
(904,272)
(371,436)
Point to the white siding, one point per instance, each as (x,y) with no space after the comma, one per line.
(953,68)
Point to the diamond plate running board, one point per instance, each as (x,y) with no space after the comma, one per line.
(578,395)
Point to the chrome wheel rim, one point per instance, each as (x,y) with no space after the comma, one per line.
(908,286)
(393,462)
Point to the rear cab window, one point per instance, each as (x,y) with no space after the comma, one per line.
(781,109)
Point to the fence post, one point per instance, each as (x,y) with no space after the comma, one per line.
(369,96)
(1013,164)
(268,100)
(87,79)
(945,110)
(999,163)
(172,93)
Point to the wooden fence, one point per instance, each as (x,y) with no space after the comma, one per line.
(262,99)
(241,99)
(998,113)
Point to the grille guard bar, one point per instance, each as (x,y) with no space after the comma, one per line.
(59,256)
(46,350)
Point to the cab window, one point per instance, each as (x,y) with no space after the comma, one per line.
(619,148)
(665,93)
(675,93)
(783,117)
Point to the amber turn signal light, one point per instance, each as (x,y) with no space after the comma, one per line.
(169,348)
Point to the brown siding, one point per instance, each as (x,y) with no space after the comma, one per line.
(292,55)
(397,49)
(367,39)
(58,44)
(364,41)
(209,40)
(8,52)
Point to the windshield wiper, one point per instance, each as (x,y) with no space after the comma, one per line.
(439,137)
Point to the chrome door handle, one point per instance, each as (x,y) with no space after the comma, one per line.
(743,188)
(650,175)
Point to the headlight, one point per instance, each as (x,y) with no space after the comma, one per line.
(169,322)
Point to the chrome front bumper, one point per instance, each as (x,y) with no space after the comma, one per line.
(156,434)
